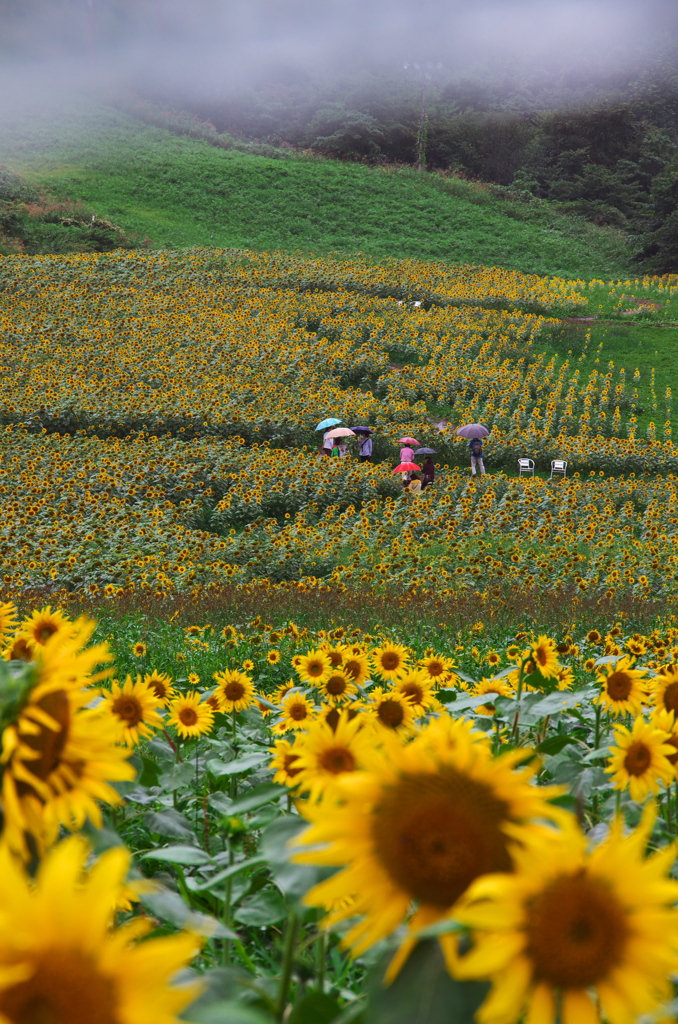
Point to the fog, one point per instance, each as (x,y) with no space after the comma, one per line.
(209,49)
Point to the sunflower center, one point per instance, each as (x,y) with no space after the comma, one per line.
(234,691)
(337,760)
(671,697)
(289,761)
(48,743)
(434,668)
(352,668)
(129,709)
(188,716)
(315,669)
(390,660)
(619,685)
(298,712)
(413,692)
(435,833)
(44,632)
(336,685)
(391,713)
(64,989)
(541,656)
(159,689)
(672,742)
(335,658)
(576,932)
(638,758)
(332,717)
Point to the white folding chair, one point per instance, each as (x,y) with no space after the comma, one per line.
(525,466)
(558,466)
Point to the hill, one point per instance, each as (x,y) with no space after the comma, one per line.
(181,191)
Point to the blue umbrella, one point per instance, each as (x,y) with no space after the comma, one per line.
(327,423)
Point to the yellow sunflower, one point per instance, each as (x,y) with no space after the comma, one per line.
(297,713)
(337,686)
(639,761)
(390,659)
(622,692)
(665,691)
(335,654)
(161,684)
(281,690)
(237,690)
(390,710)
(314,667)
(20,648)
(284,763)
(190,715)
(273,657)
(44,623)
(413,830)
(62,961)
(417,687)
(356,667)
(138,649)
(248,666)
(8,620)
(133,707)
(544,657)
(326,753)
(333,714)
(575,936)
(495,687)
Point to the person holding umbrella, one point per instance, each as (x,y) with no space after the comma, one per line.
(328,442)
(475,432)
(407,452)
(429,473)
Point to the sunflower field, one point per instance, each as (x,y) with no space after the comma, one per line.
(285,743)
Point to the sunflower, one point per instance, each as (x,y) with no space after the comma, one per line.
(593,636)
(356,666)
(284,688)
(248,666)
(666,721)
(20,648)
(335,655)
(237,689)
(338,687)
(496,687)
(326,753)
(133,707)
(416,686)
(297,711)
(284,763)
(193,678)
(273,657)
(314,667)
(665,690)
(61,960)
(161,684)
(8,620)
(190,715)
(640,759)
(390,710)
(415,828)
(43,624)
(390,659)
(493,658)
(138,649)
(214,701)
(575,936)
(332,714)
(622,692)
(544,657)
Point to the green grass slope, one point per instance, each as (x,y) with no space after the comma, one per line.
(182,192)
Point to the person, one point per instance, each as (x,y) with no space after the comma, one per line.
(407,454)
(343,449)
(476,449)
(328,444)
(415,484)
(429,473)
(336,448)
(365,448)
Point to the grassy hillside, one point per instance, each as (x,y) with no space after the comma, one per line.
(184,192)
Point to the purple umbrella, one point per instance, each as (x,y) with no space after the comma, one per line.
(362,430)
(426,451)
(472,430)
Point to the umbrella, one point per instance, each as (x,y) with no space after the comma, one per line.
(339,432)
(407,467)
(327,423)
(407,440)
(362,430)
(472,430)
(426,451)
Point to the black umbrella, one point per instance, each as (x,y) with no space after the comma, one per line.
(362,430)
(426,451)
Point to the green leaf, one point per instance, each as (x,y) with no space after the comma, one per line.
(264,908)
(423,992)
(186,855)
(240,764)
(150,773)
(169,906)
(256,797)
(232,869)
(294,879)
(554,744)
(227,1013)
(315,1008)
(168,823)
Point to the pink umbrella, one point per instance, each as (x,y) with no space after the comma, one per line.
(408,440)
(406,467)
(472,430)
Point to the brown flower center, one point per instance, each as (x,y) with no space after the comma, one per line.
(390,661)
(337,760)
(44,632)
(638,758)
(414,693)
(335,657)
(298,712)
(288,762)
(619,685)
(541,655)
(435,668)
(315,669)
(336,685)
(128,708)
(188,716)
(671,697)
(352,668)
(234,691)
(65,988)
(332,717)
(434,834)
(47,743)
(391,713)
(577,932)
(672,742)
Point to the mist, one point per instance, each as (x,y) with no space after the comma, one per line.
(212,49)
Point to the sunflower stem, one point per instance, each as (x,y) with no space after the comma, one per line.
(519,693)
(227,916)
(320,957)
(288,961)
